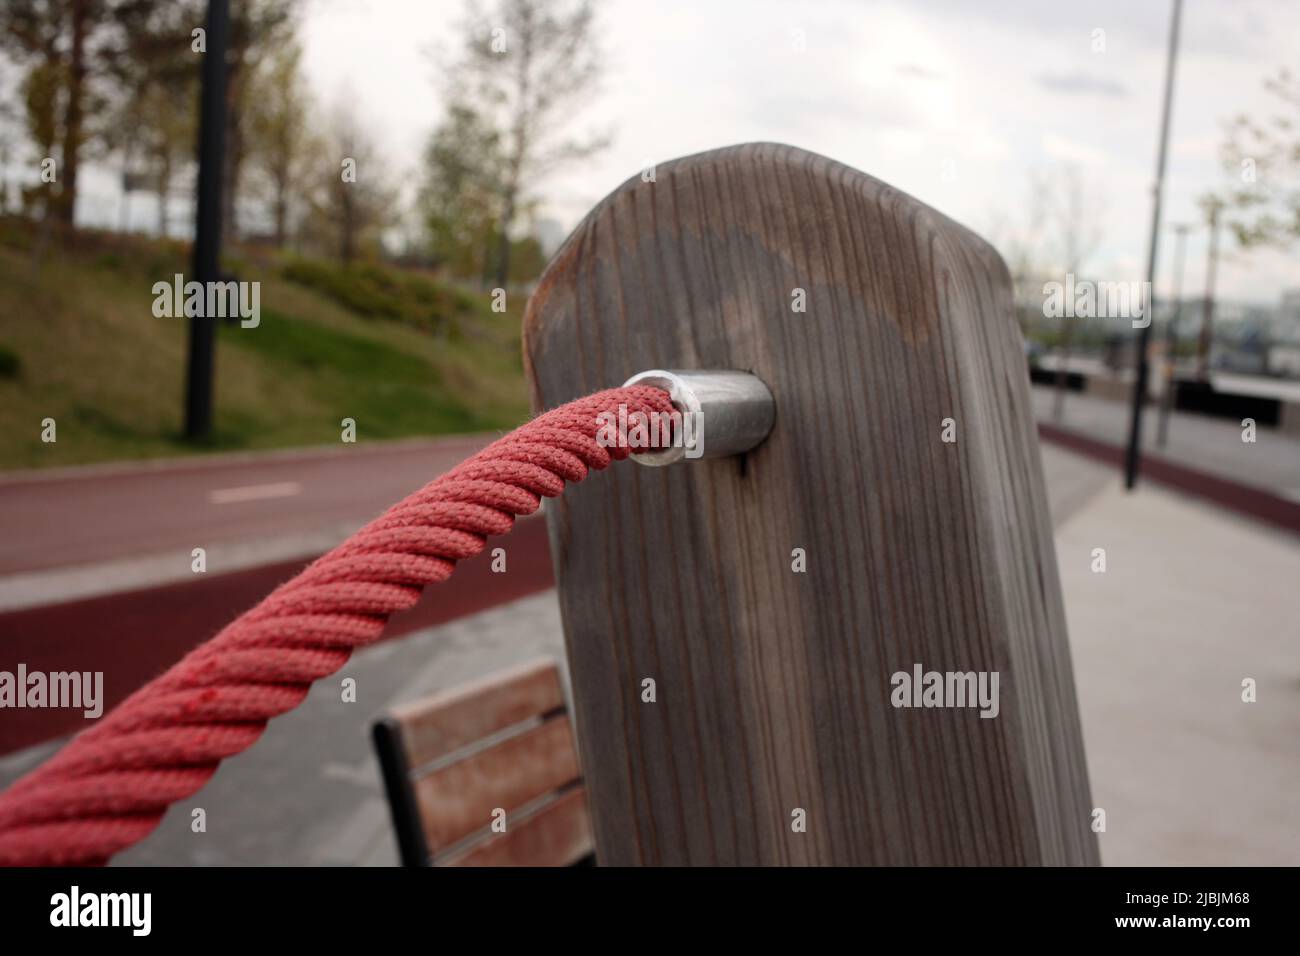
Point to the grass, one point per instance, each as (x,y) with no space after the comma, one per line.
(375,291)
(401,354)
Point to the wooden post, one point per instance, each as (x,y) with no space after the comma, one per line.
(772,686)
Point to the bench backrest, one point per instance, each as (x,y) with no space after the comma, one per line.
(453,762)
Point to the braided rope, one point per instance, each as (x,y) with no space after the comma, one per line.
(109,787)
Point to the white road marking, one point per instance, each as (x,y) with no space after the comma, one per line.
(229,496)
(363,774)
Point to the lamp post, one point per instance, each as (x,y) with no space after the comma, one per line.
(207,225)
(1133,454)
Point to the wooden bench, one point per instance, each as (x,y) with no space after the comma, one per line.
(487,775)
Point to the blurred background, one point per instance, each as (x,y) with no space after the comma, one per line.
(395,175)
(1035,126)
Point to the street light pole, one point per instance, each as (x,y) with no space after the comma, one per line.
(207,225)
(1171,336)
(1131,458)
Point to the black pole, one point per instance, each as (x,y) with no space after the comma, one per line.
(207,225)
(1131,457)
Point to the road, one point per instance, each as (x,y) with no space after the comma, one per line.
(97,514)
(96,567)
(1211,445)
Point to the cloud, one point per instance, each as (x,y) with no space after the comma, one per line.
(1082,83)
(918,71)
(1070,150)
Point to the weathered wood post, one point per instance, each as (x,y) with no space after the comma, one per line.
(903,473)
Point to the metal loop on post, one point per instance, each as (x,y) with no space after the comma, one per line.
(724,412)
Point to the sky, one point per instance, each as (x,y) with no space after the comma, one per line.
(959,102)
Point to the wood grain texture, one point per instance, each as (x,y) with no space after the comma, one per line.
(774,686)
(557,834)
(437,726)
(460,798)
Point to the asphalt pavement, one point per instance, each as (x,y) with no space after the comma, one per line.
(80,516)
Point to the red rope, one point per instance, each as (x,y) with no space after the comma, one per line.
(109,787)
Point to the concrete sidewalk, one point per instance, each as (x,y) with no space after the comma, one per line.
(1192,602)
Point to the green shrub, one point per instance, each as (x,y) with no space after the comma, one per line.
(10,364)
(374,291)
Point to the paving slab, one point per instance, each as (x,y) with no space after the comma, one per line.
(1193,601)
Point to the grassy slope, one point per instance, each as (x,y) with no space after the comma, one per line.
(93,357)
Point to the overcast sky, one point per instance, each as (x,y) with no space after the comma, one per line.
(958,102)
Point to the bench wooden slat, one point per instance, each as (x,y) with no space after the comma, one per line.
(559,834)
(456,800)
(434,728)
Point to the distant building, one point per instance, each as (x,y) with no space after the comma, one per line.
(1284,360)
(1284,338)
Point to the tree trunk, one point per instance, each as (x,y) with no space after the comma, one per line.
(520,153)
(489,254)
(164,187)
(347,231)
(503,241)
(1205,340)
(73,117)
(233,160)
(281,214)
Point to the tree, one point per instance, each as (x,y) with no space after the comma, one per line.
(65,44)
(168,135)
(528,68)
(460,200)
(352,198)
(1212,207)
(279,140)
(1075,222)
(98,60)
(1262,206)
(8,137)
(40,94)
(1020,241)
(155,77)
(158,47)
(257,27)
